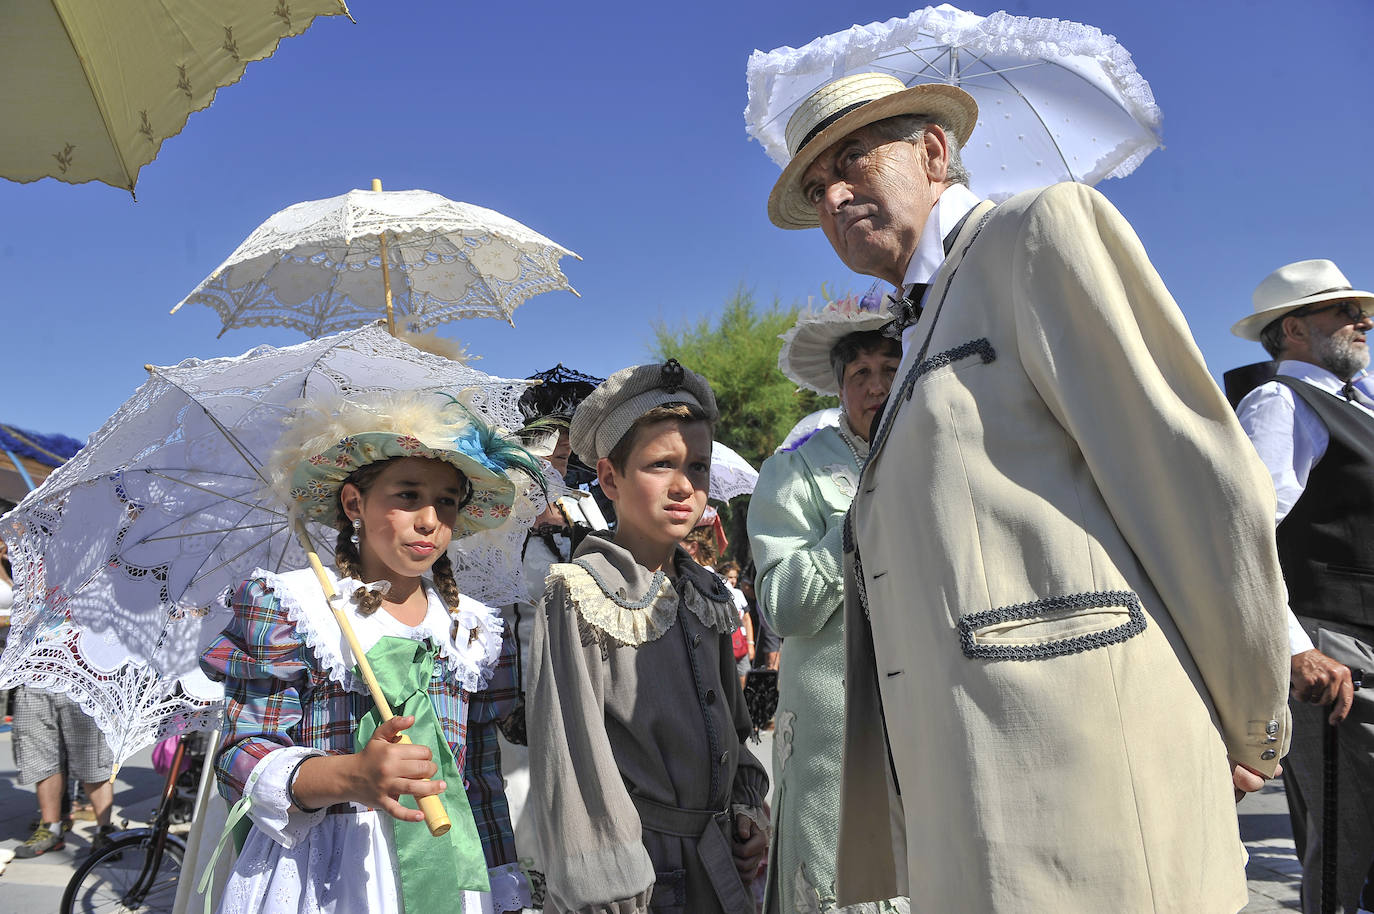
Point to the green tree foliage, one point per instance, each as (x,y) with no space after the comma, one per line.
(738,355)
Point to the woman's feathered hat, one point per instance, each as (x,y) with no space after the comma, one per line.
(326,441)
(805,355)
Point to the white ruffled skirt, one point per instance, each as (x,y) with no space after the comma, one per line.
(317,863)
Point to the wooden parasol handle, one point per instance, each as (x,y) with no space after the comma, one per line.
(433,808)
(386,272)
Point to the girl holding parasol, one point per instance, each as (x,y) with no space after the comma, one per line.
(314,661)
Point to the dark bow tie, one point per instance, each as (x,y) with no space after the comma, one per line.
(906,310)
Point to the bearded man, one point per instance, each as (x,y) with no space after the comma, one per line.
(1064,609)
(1315,432)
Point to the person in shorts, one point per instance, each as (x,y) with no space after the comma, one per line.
(53,737)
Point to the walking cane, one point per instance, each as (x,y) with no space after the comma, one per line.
(1330,759)
(433,808)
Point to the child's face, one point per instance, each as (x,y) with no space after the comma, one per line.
(408,515)
(661,494)
(732,578)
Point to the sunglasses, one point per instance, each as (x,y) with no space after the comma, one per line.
(1350,311)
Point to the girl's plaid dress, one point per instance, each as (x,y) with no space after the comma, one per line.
(288,685)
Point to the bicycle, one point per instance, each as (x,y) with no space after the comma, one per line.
(140,869)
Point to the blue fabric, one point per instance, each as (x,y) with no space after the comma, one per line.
(50,450)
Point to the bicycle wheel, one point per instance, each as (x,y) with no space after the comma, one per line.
(125,877)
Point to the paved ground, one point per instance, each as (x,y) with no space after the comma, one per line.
(35,886)
(1273,871)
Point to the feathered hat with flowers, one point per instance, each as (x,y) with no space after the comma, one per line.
(805,355)
(326,441)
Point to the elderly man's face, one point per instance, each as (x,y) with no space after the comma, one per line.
(873,197)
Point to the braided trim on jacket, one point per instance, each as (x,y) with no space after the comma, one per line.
(1052,647)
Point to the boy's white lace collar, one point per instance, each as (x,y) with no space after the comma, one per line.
(470,658)
(618,597)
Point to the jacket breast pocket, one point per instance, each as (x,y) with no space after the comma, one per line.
(1052,627)
(955,358)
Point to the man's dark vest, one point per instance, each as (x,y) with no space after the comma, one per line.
(1326,542)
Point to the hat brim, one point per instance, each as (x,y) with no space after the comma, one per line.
(316,482)
(1251,326)
(948,105)
(805,353)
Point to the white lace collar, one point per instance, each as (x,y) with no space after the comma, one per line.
(617,596)
(470,659)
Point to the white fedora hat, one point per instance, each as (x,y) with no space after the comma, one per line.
(1294,286)
(837,109)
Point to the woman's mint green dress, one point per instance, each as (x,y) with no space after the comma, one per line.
(795,520)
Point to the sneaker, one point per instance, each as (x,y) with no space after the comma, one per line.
(66,823)
(101,839)
(44,839)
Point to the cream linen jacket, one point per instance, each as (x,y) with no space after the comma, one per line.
(1065,546)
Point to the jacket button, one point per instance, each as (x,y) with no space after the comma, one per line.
(1271,728)
(724,757)
(696,639)
(1268,754)
(710,696)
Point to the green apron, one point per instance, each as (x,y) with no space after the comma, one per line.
(434,872)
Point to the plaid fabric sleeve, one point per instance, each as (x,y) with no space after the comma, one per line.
(485,785)
(261,661)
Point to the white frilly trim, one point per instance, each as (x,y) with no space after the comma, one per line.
(778,80)
(805,354)
(633,627)
(756,814)
(268,789)
(470,662)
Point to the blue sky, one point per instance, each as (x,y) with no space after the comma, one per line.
(616,129)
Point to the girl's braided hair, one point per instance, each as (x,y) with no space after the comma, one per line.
(350,564)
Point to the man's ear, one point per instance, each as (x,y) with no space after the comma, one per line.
(936,141)
(606,477)
(351,499)
(1294,329)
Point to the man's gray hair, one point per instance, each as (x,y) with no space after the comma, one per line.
(1271,337)
(910,128)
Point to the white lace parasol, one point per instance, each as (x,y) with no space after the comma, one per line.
(731,474)
(1057,100)
(122,554)
(317,266)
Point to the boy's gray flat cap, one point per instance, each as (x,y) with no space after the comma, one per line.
(606,415)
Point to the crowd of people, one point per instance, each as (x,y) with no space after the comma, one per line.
(1035,638)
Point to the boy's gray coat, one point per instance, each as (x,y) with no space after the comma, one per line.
(621,734)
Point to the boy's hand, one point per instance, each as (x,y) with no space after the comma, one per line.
(750,846)
(385,769)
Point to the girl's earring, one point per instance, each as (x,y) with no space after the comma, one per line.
(357,528)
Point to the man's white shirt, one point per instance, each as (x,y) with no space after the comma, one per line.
(1290,440)
(954,203)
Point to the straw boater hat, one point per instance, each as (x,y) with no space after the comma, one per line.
(805,355)
(837,109)
(326,441)
(1297,285)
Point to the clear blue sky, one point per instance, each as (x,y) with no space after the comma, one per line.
(616,129)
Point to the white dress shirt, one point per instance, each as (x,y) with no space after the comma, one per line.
(1290,440)
(953,204)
